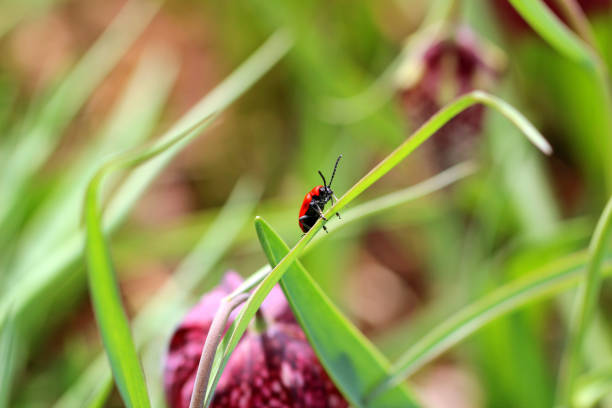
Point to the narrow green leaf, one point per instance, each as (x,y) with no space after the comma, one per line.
(393,159)
(556,277)
(548,25)
(351,360)
(9,345)
(584,307)
(106,299)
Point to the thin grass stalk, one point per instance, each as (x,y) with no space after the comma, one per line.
(584,308)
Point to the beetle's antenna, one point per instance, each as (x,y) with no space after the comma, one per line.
(321,174)
(335,167)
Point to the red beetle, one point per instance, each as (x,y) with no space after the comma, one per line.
(315,200)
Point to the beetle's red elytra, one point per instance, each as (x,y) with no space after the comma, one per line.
(315,200)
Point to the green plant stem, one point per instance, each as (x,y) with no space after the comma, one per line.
(540,284)
(584,307)
(213,339)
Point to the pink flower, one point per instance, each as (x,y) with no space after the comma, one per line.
(452,63)
(272,368)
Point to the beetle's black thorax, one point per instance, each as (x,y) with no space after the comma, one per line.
(325,194)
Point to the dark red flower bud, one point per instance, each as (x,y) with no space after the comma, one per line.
(275,367)
(450,64)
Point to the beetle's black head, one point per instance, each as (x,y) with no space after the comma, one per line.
(325,193)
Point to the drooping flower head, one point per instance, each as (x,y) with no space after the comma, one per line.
(439,66)
(271,367)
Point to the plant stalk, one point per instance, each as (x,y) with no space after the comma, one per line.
(584,307)
(215,334)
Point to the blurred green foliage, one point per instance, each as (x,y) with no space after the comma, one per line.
(518,213)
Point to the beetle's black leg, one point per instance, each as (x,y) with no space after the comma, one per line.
(325,229)
(332,198)
(318,209)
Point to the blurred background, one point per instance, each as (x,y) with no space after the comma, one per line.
(81,80)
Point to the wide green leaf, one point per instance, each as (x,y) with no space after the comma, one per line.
(351,360)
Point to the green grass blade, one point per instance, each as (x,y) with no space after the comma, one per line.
(171,302)
(386,165)
(8,355)
(549,27)
(41,131)
(133,119)
(542,283)
(106,299)
(584,307)
(57,266)
(351,360)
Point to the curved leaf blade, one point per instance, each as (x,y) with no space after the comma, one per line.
(106,299)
